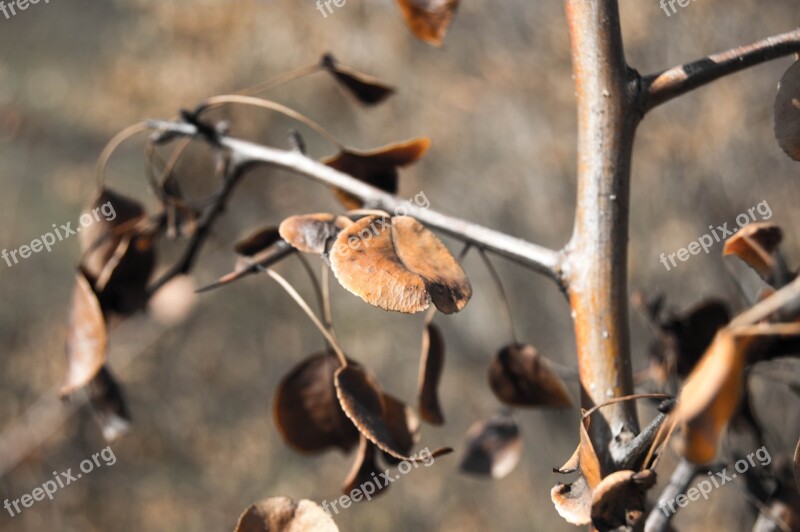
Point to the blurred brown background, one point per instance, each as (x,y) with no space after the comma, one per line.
(498,104)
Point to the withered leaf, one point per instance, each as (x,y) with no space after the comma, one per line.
(756,245)
(306,408)
(519,376)
(366,89)
(365,469)
(376,167)
(396,264)
(494,447)
(710,396)
(428,20)
(787,112)
(282,514)
(109,406)
(431,366)
(403,425)
(618,501)
(362,401)
(573,501)
(312,233)
(87,337)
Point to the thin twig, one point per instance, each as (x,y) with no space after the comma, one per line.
(500,290)
(671,83)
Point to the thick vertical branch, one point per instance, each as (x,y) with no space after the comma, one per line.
(596,266)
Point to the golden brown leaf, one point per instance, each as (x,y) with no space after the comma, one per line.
(376,167)
(755,245)
(362,401)
(428,19)
(366,89)
(307,411)
(494,447)
(430,373)
(573,501)
(87,338)
(312,233)
(710,396)
(282,514)
(519,376)
(787,112)
(396,264)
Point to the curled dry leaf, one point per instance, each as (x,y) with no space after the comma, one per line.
(362,401)
(430,373)
(428,20)
(519,376)
(756,245)
(307,411)
(366,89)
(312,233)
(109,406)
(573,501)
(376,167)
(365,469)
(787,112)
(618,501)
(396,264)
(282,514)
(710,396)
(403,425)
(87,337)
(494,447)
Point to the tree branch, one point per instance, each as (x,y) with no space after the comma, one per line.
(244,153)
(661,514)
(597,255)
(671,83)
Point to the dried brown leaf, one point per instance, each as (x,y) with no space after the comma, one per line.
(573,501)
(403,425)
(362,401)
(688,335)
(376,167)
(430,373)
(396,264)
(365,469)
(787,112)
(519,376)
(257,241)
(87,337)
(756,245)
(282,514)
(618,501)
(428,20)
(366,89)
(307,411)
(493,447)
(710,396)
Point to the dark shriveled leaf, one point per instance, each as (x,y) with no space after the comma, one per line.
(618,501)
(428,20)
(688,335)
(362,401)
(494,447)
(257,241)
(756,245)
(365,469)
(282,514)
(108,404)
(87,337)
(396,264)
(376,167)
(787,112)
(403,425)
(366,89)
(519,376)
(430,373)
(307,411)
